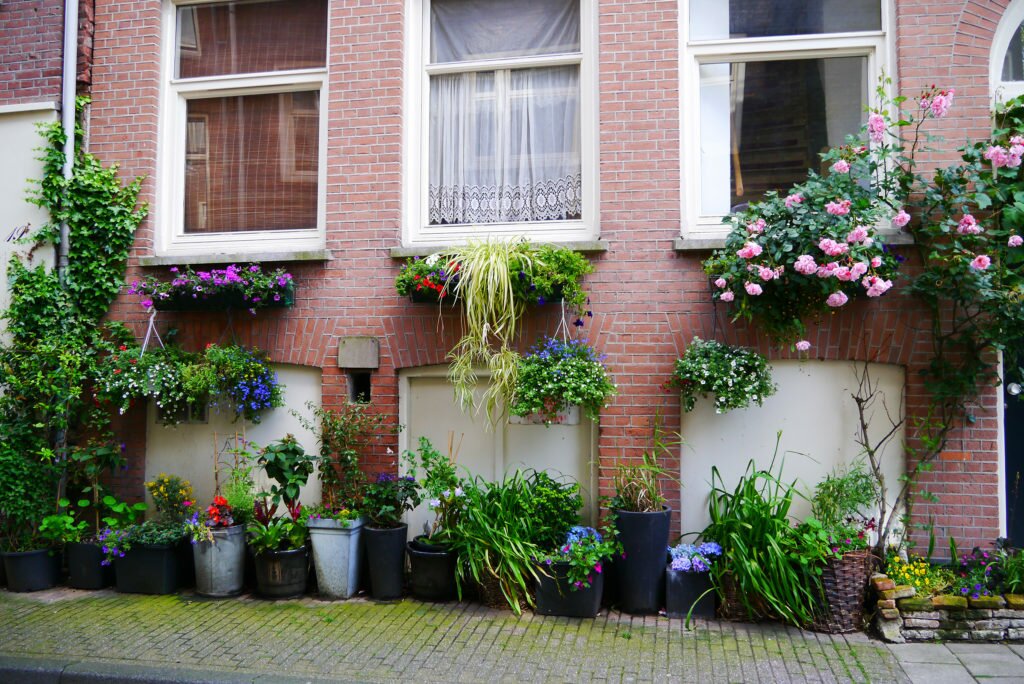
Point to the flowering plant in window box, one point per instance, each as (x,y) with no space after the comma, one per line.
(809,251)
(429,279)
(243,287)
(557,374)
(736,376)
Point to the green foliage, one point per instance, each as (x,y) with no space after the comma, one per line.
(289,466)
(441,485)
(638,484)
(27,486)
(844,494)
(279,534)
(554,506)
(121,514)
(155,532)
(556,375)
(239,490)
(736,376)
(1011,570)
(62,527)
(386,499)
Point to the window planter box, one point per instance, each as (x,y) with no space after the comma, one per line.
(570,416)
(221,301)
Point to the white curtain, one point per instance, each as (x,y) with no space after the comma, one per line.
(504,143)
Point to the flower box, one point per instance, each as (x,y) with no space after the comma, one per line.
(568,416)
(221,300)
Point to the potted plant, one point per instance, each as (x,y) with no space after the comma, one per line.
(688,589)
(242,287)
(641,519)
(147,557)
(428,279)
(281,555)
(431,560)
(218,550)
(32,560)
(385,500)
(336,536)
(572,581)
(735,376)
(557,374)
(85,555)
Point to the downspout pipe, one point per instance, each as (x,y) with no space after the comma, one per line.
(69,80)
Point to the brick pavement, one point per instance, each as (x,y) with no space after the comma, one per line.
(191,639)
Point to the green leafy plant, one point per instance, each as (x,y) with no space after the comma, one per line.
(1011,570)
(638,485)
(326,512)
(172,497)
(586,551)
(289,466)
(554,505)
(63,527)
(442,487)
(388,497)
(736,376)
(278,534)
(557,374)
(239,488)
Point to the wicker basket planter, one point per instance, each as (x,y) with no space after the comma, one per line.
(845,583)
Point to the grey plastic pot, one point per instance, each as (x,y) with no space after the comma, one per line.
(220,565)
(337,556)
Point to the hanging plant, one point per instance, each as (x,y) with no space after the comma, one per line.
(557,374)
(734,375)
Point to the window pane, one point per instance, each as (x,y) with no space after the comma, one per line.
(251,163)
(251,37)
(717,19)
(1013,62)
(763,124)
(462,30)
(505,146)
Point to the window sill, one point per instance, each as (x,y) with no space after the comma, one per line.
(586,246)
(704,244)
(235,258)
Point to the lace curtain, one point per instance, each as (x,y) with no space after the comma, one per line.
(504,144)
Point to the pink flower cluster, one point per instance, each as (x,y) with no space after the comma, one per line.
(1015,241)
(757,227)
(981,262)
(833,248)
(876,127)
(875,286)
(901,219)
(793,200)
(968,225)
(1009,157)
(841,166)
(937,102)
(840,208)
(749,251)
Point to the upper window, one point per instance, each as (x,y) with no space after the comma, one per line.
(243,129)
(1007,58)
(768,85)
(502,140)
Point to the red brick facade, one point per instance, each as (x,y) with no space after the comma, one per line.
(649,299)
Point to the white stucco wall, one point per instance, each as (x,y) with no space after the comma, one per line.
(818,420)
(188,449)
(428,409)
(20,142)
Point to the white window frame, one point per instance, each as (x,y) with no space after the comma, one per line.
(875,46)
(171,239)
(416,229)
(1004,90)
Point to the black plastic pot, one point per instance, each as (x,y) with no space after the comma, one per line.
(385,552)
(31,570)
(282,574)
(85,567)
(431,571)
(148,569)
(686,589)
(640,575)
(555,595)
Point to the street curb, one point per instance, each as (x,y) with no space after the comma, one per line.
(29,670)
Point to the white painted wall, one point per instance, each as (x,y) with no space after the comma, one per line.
(818,420)
(19,142)
(428,409)
(188,449)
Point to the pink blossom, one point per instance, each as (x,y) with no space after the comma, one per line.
(840,208)
(939,103)
(727,296)
(876,261)
(803,345)
(827,270)
(858,269)
(749,251)
(876,127)
(793,200)
(981,262)
(901,219)
(858,234)
(805,264)
(841,166)
(997,155)
(766,273)
(833,248)
(1015,241)
(968,226)
(1017,140)
(720,283)
(146,303)
(876,286)
(837,299)
(753,289)
(843,273)
(757,227)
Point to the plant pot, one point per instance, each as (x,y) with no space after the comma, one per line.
(186,565)
(686,590)
(85,567)
(431,571)
(220,565)
(336,556)
(385,550)
(221,301)
(640,574)
(148,569)
(31,570)
(282,574)
(844,583)
(555,595)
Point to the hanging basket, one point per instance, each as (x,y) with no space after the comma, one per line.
(844,582)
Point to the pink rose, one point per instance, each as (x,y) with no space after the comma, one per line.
(766,273)
(749,251)
(858,234)
(757,227)
(720,283)
(876,261)
(876,127)
(1015,241)
(901,219)
(981,262)
(793,200)
(843,273)
(805,264)
(803,345)
(833,248)
(837,299)
(997,155)
(841,166)
(840,208)
(875,286)
(968,226)
(727,296)
(859,269)
(753,289)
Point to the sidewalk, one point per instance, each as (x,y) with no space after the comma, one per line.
(70,636)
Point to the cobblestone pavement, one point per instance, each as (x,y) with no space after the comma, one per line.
(191,639)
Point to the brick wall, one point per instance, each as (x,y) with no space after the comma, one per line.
(31,48)
(648,299)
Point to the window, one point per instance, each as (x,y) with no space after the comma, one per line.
(242,128)
(500,120)
(767,86)
(1007,58)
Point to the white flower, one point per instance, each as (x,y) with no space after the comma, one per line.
(432,259)
(434,503)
